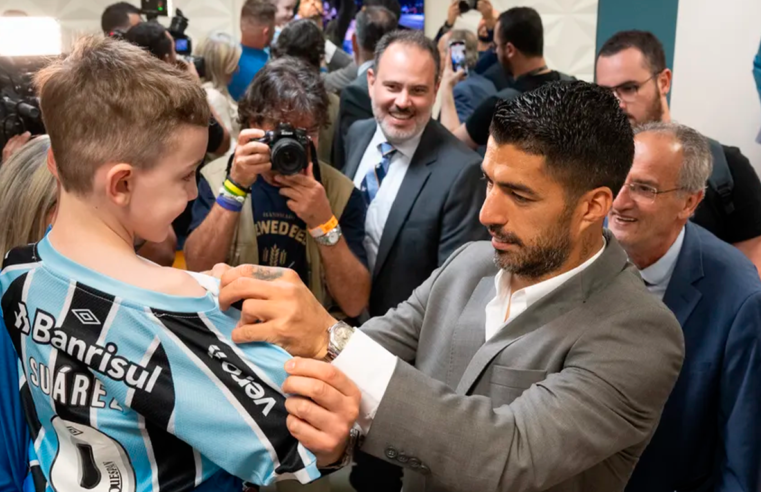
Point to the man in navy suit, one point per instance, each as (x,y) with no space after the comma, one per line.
(709,437)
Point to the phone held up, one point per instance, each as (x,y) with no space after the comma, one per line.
(459,58)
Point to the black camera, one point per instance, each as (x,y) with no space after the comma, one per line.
(19,105)
(183,45)
(466,5)
(289,149)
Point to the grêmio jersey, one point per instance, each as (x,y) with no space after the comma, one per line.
(129,390)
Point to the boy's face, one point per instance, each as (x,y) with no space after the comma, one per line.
(160,195)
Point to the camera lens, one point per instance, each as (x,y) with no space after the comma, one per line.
(288,156)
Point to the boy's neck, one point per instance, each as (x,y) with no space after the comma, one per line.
(80,231)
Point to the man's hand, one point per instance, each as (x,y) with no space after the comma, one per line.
(277,308)
(453,12)
(325,409)
(188,67)
(450,78)
(251,158)
(487,13)
(306,197)
(15,143)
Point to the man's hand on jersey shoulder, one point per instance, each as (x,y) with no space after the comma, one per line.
(326,408)
(277,308)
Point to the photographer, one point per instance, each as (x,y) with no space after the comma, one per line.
(265,217)
(154,38)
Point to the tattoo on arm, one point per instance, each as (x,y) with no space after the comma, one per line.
(267,274)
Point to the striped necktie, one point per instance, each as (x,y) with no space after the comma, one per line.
(374,177)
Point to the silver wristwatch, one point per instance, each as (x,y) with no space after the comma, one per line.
(338,336)
(331,237)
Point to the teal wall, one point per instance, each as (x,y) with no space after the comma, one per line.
(656,16)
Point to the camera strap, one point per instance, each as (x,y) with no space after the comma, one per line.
(315,162)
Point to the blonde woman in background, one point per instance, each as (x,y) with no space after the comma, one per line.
(221,54)
(27,195)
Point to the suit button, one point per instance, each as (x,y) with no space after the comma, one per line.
(402,458)
(415,463)
(391,453)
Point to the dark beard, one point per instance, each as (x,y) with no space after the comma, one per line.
(655,112)
(545,256)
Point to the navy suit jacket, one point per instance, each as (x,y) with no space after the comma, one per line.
(470,93)
(709,437)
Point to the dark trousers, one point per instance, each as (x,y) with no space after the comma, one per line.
(371,474)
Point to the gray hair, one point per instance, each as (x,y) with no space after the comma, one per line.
(27,195)
(697,164)
(471,45)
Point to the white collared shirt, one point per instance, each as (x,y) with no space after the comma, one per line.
(497,314)
(658,275)
(362,70)
(378,211)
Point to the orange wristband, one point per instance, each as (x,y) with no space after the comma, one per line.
(324,228)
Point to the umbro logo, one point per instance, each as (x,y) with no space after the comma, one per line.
(86,317)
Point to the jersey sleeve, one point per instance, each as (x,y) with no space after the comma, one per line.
(223,400)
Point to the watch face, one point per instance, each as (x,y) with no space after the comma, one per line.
(333,237)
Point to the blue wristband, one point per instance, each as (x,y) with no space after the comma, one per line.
(229,204)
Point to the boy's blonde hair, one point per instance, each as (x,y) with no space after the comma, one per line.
(110,102)
(27,195)
(221,54)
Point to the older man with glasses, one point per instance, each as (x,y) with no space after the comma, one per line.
(709,437)
(633,65)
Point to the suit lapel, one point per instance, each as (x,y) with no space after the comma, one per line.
(560,301)
(681,295)
(358,151)
(469,332)
(413,183)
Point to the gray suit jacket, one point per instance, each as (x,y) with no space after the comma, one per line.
(434,213)
(564,398)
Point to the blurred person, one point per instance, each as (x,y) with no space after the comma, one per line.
(221,54)
(461,92)
(27,206)
(286,9)
(423,188)
(14,144)
(125,167)
(120,17)
(257,29)
(757,76)
(633,65)
(372,24)
(709,434)
(312,222)
(303,39)
(537,361)
(519,39)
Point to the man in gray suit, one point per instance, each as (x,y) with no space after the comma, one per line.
(536,362)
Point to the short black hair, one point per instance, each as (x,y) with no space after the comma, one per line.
(392,5)
(116,16)
(151,36)
(522,26)
(644,41)
(409,37)
(578,127)
(284,90)
(372,24)
(301,39)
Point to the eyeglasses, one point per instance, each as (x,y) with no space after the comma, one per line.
(646,192)
(628,91)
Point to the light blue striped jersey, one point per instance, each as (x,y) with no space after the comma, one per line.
(129,390)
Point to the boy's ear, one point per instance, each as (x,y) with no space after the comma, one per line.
(120,184)
(51,164)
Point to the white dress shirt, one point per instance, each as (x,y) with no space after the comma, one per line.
(362,70)
(658,275)
(371,366)
(378,211)
(497,310)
